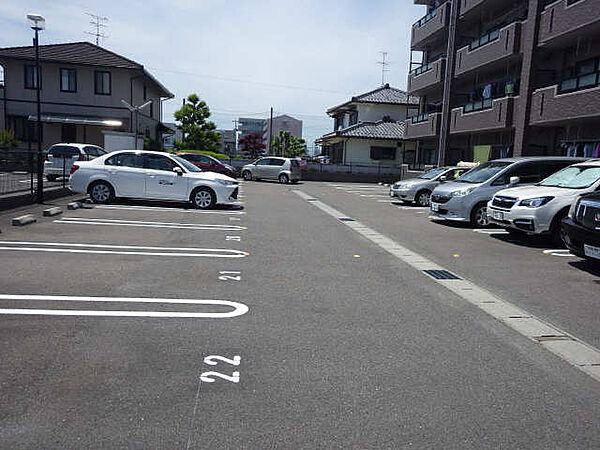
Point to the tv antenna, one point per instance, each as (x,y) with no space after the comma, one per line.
(98,22)
(383,63)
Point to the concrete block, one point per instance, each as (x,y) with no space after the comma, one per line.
(52,211)
(23,220)
(575,352)
(73,205)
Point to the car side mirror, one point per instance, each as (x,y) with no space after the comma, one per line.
(178,171)
(513,181)
(443,178)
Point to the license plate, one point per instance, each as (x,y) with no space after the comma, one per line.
(435,207)
(592,252)
(498,215)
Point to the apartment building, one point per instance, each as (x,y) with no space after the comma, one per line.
(248,125)
(82,89)
(506,78)
(280,123)
(369,129)
(228,142)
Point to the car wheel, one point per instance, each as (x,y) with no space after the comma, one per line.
(101,192)
(479,218)
(51,177)
(204,198)
(557,233)
(284,179)
(247,175)
(423,198)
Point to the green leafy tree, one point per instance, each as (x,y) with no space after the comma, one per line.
(288,145)
(198,133)
(7,139)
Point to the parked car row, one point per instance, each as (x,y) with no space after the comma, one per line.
(554,196)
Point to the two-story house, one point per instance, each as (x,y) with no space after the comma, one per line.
(83,87)
(369,128)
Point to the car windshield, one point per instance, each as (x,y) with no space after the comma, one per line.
(573,177)
(188,165)
(483,172)
(432,173)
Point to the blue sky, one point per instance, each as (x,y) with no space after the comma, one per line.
(243,57)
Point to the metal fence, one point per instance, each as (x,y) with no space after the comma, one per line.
(18,173)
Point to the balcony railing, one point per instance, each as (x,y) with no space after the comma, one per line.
(422,126)
(490,48)
(429,26)
(427,76)
(420,118)
(563,17)
(553,105)
(481,116)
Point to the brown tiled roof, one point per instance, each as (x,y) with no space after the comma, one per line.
(73,53)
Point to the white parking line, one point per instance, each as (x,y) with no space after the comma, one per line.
(64,247)
(239,309)
(484,231)
(561,252)
(139,223)
(563,344)
(160,208)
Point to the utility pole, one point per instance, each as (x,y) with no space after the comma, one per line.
(235,131)
(383,63)
(271,130)
(98,23)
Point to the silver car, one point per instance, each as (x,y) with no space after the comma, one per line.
(286,170)
(60,158)
(418,190)
(539,209)
(466,199)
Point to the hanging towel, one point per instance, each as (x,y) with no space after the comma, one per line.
(487,91)
(588,150)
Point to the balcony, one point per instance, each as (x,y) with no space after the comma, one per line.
(493,47)
(564,20)
(426,77)
(429,27)
(551,105)
(423,126)
(485,115)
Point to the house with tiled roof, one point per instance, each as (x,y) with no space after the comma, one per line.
(369,128)
(83,87)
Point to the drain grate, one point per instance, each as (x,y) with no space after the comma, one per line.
(552,337)
(442,275)
(346,219)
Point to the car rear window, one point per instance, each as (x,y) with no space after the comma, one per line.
(295,163)
(63,150)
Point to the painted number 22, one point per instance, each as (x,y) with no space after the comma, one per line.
(213,360)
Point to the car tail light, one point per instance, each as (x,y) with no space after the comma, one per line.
(74,167)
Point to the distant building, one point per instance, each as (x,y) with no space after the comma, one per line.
(250,126)
(281,123)
(369,129)
(227,144)
(171,135)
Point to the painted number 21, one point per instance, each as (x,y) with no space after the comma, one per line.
(213,360)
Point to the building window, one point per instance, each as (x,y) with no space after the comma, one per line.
(102,83)
(24,129)
(386,153)
(145,93)
(31,77)
(152,109)
(68,80)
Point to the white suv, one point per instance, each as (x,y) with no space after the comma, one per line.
(152,175)
(60,158)
(540,208)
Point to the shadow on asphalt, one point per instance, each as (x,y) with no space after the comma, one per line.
(587,266)
(537,242)
(173,205)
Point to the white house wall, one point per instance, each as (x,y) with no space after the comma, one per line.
(369,112)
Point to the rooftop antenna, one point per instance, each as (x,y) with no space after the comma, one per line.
(98,22)
(383,63)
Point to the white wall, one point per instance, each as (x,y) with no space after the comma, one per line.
(369,112)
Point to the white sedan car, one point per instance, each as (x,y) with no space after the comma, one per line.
(150,175)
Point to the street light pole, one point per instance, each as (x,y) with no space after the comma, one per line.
(38,23)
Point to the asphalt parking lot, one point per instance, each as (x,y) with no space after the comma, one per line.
(272,324)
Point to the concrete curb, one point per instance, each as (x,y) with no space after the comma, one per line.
(52,212)
(23,220)
(73,205)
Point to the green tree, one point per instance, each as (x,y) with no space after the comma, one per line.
(287,145)
(198,133)
(7,139)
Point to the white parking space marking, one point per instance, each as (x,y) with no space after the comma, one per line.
(563,253)
(139,223)
(63,247)
(495,231)
(160,208)
(566,346)
(239,309)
